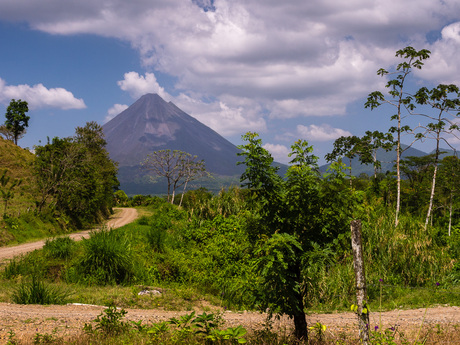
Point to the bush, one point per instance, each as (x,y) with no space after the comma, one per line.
(157,233)
(107,259)
(59,248)
(37,292)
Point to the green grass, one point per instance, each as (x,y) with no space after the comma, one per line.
(18,162)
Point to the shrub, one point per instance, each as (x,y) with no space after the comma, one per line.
(37,292)
(107,259)
(59,248)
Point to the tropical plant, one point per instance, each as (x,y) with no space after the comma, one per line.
(401,100)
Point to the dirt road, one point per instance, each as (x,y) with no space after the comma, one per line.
(121,217)
(67,321)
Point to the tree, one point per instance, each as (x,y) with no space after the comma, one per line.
(445,100)
(295,216)
(450,181)
(178,167)
(401,100)
(6,133)
(373,141)
(16,119)
(75,175)
(417,171)
(345,147)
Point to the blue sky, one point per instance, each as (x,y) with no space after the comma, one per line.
(287,70)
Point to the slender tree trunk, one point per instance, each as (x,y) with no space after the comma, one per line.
(398,181)
(450,212)
(173,195)
(360,277)
(375,164)
(433,182)
(183,192)
(433,186)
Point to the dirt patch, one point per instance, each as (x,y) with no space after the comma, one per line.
(68,321)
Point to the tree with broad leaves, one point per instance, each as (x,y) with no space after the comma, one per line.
(75,175)
(296,216)
(178,167)
(373,141)
(401,100)
(16,119)
(345,147)
(444,99)
(364,148)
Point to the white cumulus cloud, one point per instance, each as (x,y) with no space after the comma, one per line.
(324,132)
(138,85)
(114,111)
(279,152)
(38,96)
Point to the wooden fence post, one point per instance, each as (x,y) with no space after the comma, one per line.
(360,277)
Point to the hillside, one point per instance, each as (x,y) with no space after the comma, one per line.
(18,162)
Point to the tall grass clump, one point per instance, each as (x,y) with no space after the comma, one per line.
(406,254)
(157,233)
(35,291)
(107,259)
(59,248)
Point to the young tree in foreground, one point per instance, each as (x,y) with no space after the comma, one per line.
(178,167)
(16,119)
(401,100)
(296,216)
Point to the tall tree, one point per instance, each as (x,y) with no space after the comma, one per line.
(16,119)
(401,100)
(444,99)
(75,175)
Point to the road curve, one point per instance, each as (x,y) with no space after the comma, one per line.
(122,217)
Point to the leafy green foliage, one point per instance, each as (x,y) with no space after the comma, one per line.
(16,119)
(75,176)
(296,215)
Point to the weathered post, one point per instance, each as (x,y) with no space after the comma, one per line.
(360,277)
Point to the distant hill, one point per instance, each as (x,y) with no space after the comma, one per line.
(152,124)
(387,160)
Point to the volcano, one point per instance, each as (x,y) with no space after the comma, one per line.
(152,124)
